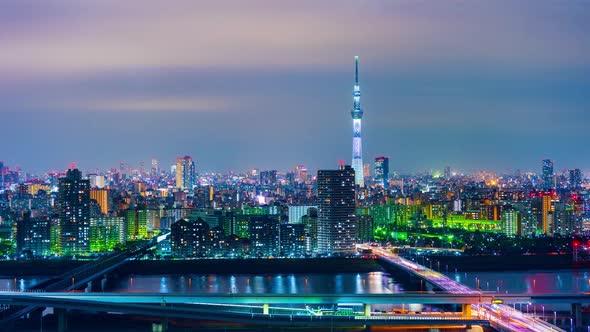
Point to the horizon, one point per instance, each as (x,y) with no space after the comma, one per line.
(166,168)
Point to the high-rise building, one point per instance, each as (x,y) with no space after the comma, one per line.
(155,167)
(101,196)
(296,212)
(382,171)
(33,235)
(264,235)
(96,181)
(357,115)
(301,174)
(547,174)
(367,171)
(542,207)
(292,239)
(107,233)
(336,210)
(575,178)
(364,228)
(136,223)
(74,213)
(185,173)
(563,219)
(511,222)
(190,238)
(268,177)
(447,172)
(310,221)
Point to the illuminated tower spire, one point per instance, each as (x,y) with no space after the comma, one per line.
(357,115)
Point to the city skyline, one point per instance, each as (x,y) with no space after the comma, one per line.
(500,87)
(188,165)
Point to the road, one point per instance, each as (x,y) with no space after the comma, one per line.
(502,317)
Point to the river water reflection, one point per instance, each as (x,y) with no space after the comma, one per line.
(359,283)
(536,282)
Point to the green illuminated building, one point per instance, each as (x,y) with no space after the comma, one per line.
(107,233)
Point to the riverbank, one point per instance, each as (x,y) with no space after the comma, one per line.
(200,266)
(504,263)
(44,267)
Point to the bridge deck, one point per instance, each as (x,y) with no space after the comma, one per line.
(502,317)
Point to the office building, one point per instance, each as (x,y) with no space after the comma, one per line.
(364,228)
(268,178)
(96,181)
(547,175)
(33,235)
(107,233)
(190,238)
(264,235)
(185,173)
(101,196)
(296,212)
(310,221)
(74,213)
(292,240)
(382,171)
(511,222)
(575,180)
(336,211)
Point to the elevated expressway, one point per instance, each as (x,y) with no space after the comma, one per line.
(501,316)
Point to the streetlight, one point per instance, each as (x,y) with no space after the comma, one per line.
(555,318)
(543,311)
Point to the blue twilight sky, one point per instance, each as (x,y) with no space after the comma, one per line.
(496,85)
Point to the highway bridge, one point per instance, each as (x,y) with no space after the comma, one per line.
(502,317)
(292,309)
(80,277)
(235,308)
(23,298)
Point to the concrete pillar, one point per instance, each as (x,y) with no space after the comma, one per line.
(164,324)
(265,309)
(367,309)
(577,314)
(62,319)
(466,310)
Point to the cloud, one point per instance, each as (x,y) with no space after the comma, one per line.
(152,104)
(67,37)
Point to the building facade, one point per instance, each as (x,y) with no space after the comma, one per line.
(336,211)
(185,173)
(382,171)
(74,213)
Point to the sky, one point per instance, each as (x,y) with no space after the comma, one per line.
(493,85)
